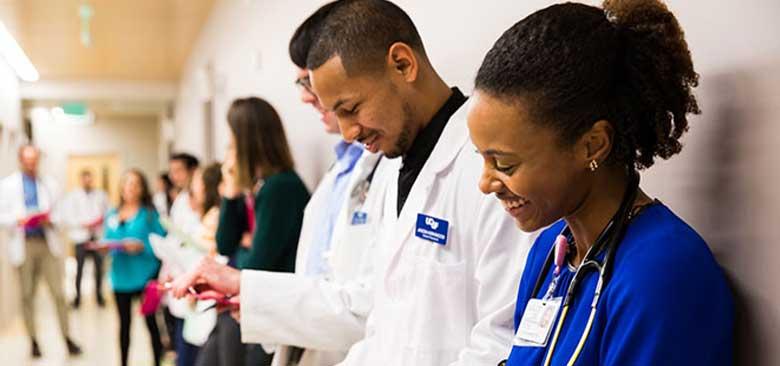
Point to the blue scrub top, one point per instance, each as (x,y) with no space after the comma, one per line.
(130,272)
(667,302)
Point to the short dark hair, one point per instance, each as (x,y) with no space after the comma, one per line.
(260,140)
(361,32)
(168,184)
(575,64)
(306,34)
(190,161)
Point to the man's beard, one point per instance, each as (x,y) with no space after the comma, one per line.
(404,141)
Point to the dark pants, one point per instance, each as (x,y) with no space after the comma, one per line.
(81,255)
(124,302)
(224,347)
(186,353)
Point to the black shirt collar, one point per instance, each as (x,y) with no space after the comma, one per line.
(426,139)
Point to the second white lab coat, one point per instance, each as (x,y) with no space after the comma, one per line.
(451,303)
(79,208)
(324,315)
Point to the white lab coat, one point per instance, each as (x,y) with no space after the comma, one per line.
(449,304)
(79,208)
(185,219)
(325,315)
(12,208)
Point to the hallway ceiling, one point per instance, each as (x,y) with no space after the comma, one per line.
(131,40)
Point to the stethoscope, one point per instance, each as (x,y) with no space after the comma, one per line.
(607,243)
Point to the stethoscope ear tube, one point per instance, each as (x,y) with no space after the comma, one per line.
(607,241)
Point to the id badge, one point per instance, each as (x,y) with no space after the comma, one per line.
(359,218)
(432,229)
(537,322)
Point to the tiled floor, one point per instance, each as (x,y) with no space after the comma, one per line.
(94,328)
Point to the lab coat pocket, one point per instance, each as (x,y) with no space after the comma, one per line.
(438,321)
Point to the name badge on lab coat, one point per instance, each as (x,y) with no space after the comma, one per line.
(431,229)
(537,322)
(359,218)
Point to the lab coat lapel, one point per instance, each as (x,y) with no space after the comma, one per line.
(44,203)
(314,209)
(447,148)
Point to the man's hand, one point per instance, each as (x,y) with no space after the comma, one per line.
(209,275)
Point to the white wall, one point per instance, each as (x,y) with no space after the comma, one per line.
(10,111)
(9,120)
(244,46)
(135,141)
(728,39)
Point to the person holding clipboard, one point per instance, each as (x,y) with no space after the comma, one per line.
(126,237)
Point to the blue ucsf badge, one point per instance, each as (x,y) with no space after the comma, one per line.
(431,229)
(359,218)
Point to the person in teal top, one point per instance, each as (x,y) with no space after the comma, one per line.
(131,271)
(133,263)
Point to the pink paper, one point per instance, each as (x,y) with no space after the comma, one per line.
(35,221)
(152,298)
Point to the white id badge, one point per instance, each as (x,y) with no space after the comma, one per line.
(537,322)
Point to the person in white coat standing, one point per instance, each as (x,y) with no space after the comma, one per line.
(28,213)
(316,314)
(444,292)
(82,212)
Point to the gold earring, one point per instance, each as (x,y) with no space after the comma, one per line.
(593,165)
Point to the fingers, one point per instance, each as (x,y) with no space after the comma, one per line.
(181,286)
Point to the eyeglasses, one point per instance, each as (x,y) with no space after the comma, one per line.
(305,83)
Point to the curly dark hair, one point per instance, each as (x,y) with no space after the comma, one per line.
(575,64)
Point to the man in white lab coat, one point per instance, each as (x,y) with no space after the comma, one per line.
(82,211)
(181,168)
(28,214)
(450,258)
(316,314)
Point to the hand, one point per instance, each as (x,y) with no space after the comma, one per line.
(133,246)
(102,250)
(234,308)
(22,221)
(246,240)
(229,179)
(209,275)
(165,275)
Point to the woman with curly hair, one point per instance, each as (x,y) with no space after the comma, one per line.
(569,104)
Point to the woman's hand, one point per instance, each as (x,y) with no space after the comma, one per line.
(133,246)
(246,240)
(229,177)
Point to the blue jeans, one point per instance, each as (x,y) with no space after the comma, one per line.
(186,354)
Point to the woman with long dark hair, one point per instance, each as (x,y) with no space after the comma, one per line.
(133,263)
(264,200)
